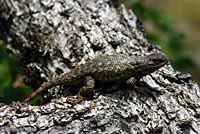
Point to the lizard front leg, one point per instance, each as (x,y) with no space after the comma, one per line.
(140,87)
(131,81)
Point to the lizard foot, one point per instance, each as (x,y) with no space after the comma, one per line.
(75,99)
(87,91)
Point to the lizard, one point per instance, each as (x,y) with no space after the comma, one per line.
(104,69)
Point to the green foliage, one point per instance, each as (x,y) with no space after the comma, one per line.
(9,70)
(171,41)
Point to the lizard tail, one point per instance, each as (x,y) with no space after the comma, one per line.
(44,87)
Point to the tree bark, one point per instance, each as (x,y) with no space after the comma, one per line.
(53,36)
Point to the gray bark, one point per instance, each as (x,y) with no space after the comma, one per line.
(53,36)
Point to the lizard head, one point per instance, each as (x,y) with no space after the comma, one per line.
(150,63)
(156,60)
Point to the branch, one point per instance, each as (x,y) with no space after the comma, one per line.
(54,36)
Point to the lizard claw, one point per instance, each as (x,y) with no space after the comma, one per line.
(75,99)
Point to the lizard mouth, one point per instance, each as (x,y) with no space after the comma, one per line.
(159,60)
(162,64)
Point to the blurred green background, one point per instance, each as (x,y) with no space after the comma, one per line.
(12,87)
(174,25)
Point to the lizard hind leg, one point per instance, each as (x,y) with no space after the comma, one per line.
(88,88)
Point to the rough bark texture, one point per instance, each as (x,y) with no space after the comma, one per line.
(52,36)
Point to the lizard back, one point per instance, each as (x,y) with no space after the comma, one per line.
(109,68)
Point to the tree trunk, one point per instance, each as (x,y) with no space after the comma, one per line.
(53,36)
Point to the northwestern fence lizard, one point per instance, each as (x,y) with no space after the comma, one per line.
(104,69)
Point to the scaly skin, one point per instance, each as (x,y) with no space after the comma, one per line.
(106,68)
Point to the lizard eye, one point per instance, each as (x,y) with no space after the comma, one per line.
(156,61)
